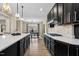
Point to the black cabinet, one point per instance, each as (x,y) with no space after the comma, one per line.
(49,16)
(76,31)
(47,42)
(60,13)
(17,49)
(68,13)
(76,11)
(22,44)
(52,15)
(72,50)
(64,13)
(55,10)
(10,51)
(71,12)
(59,48)
(52,43)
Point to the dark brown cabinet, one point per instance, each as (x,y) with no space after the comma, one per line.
(49,17)
(55,10)
(18,48)
(65,13)
(68,13)
(10,51)
(60,13)
(76,31)
(60,48)
(76,12)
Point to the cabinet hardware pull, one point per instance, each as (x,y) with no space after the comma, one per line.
(75,15)
(69,17)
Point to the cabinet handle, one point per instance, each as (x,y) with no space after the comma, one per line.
(69,17)
(61,20)
(75,15)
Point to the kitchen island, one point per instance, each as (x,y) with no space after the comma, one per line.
(14,45)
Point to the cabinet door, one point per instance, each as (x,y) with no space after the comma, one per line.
(10,51)
(60,49)
(72,51)
(55,10)
(76,31)
(52,14)
(60,13)
(52,47)
(49,16)
(22,47)
(76,11)
(68,12)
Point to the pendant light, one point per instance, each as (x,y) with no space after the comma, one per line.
(17,14)
(22,12)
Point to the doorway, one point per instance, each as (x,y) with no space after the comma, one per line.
(34,30)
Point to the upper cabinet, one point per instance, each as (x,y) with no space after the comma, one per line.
(60,13)
(71,12)
(52,15)
(55,12)
(65,13)
(49,17)
(69,15)
(76,11)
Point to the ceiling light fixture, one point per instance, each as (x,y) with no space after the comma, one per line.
(6,8)
(41,9)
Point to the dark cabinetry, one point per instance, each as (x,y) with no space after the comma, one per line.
(18,48)
(76,31)
(52,15)
(65,13)
(47,42)
(10,51)
(49,17)
(76,11)
(60,13)
(58,48)
(68,13)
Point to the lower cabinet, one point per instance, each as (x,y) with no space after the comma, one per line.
(58,48)
(22,44)
(10,51)
(17,49)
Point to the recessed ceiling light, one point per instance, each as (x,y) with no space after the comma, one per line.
(41,9)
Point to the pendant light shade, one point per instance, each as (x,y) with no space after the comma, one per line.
(22,12)
(17,14)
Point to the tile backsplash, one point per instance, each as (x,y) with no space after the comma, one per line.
(66,30)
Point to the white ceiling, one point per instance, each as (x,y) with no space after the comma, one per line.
(32,10)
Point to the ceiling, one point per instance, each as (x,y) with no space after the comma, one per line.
(32,10)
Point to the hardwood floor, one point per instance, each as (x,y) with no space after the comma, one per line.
(37,48)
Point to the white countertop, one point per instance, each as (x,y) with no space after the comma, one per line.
(68,40)
(9,40)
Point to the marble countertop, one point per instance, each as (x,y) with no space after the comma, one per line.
(7,40)
(68,40)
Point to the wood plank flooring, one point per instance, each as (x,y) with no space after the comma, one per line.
(37,48)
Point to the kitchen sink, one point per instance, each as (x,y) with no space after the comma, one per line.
(53,34)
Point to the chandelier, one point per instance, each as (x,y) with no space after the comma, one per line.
(6,8)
